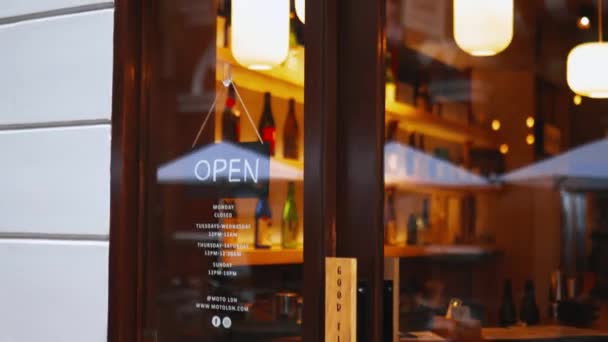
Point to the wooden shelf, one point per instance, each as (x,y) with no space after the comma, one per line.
(432,189)
(258,257)
(284,81)
(438,251)
(438,127)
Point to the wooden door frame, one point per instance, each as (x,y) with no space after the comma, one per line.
(344,120)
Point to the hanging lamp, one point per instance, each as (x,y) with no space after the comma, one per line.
(483,27)
(301,10)
(587,73)
(260,33)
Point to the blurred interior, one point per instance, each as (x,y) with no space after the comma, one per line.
(536,214)
(495,171)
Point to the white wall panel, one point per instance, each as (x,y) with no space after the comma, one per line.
(55,180)
(13,8)
(53,291)
(56,69)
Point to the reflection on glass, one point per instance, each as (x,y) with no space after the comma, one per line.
(224,232)
(496,179)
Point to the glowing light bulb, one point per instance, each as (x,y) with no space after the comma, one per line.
(301,10)
(530,139)
(260,33)
(496,125)
(577,99)
(483,27)
(587,73)
(504,148)
(530,122)
(583,22)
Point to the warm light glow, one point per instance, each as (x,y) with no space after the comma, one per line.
(495,125)
(587,72)
(483,27)
(504,148)
(530,122)
(391,92)
(301,10)
(583,22)
(577,99)
(260,32)
(530,139)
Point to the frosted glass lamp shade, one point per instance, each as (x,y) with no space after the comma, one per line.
(483,27)
(301,10)
(260,32)
(587,71)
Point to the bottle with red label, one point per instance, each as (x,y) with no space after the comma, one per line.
(267,127)
(231,120)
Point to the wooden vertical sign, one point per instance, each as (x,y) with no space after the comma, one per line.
(340,300)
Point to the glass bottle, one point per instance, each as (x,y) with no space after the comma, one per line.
(231,120)
(263,224)
(390,220)
(412,230)
(290,224)
(291,135)
(267,127)
(529,313)
(507,314)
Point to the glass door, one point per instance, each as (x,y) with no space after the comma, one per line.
(224,180)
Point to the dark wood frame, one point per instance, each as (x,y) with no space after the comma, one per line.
(344,117)
(124,321)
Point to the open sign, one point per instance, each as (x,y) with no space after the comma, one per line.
(222,170)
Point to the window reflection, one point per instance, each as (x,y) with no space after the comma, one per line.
(495,177)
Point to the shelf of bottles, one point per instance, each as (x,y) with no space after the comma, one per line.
(419,224)
(276,237)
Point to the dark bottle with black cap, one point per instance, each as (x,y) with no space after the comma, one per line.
(529,313)
(508,314)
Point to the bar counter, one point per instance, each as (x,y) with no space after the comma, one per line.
(527,334)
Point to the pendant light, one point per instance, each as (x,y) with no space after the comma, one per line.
(587,73)
(483,27)
(301,10)
(260,32)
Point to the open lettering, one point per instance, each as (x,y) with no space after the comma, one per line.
(234,170)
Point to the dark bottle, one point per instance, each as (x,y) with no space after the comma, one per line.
(263,224)
(412,230)
(425,215)
(290,224)
(391,130)
(231,121)
(507,314)
(529,313)
(423,97)
(267,127)
(390,219)
(412,139)
(291,134)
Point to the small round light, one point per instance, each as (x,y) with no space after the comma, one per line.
(495,125)
(577,99)
(530,139)
(583,22)
(504,148)
(530,122)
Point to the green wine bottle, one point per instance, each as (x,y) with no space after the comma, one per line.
(290,225)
